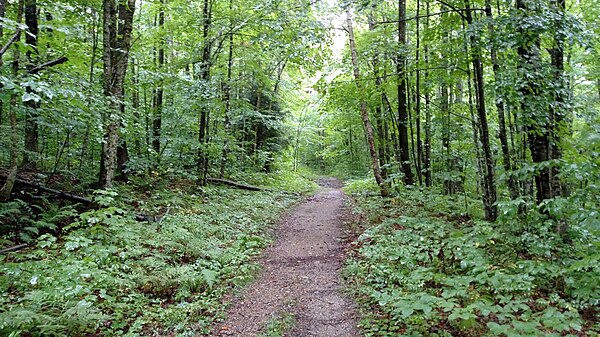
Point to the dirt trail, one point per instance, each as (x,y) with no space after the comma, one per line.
(300,275)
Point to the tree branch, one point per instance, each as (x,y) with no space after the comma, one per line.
(9,43)
(48,64)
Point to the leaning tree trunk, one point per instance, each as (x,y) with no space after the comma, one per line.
(363,110)
(118,25)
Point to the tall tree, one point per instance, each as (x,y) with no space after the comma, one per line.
(533,111)
(499,101)
(489,182)
(402,95)
(31,125)
(159,92)
(363,109)
(117,30)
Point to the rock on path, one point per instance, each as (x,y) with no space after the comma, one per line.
(300,275)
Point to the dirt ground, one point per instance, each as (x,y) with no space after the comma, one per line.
(301,275)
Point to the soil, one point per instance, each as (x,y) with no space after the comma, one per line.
(301,275)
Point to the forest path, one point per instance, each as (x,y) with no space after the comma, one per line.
(301,275)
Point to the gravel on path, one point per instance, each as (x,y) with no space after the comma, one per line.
(301,275)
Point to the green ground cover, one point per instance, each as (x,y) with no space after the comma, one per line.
(110,275)
(422,267)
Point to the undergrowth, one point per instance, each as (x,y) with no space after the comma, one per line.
(106,274)
(422,268)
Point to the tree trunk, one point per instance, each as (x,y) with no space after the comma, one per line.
(227,99)
(427,161)
(506,156)
(537,128)
(363,109)
(557,109)
(402,97)
(158,99)
(117,28)
(204,77)
(419,158)
(489,182)
(380,115)
(32,106)
(7,188)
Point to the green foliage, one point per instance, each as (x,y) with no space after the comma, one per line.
(423,271)
(366,186)
(110,274)
(22,221)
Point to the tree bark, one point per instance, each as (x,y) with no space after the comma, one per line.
(489,182)
(506,156)
(380,115)
(363,110)
(158,99)
(419,159)
(32,106)
(402,97)
(7,187)
(427,161)
(117,29)
(204,77)
(537,128)
(557,108)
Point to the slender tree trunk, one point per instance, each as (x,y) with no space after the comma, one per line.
(158,99)
(557,109)
(204,77)
(117,28)
(402,97)
(363,109)
(227,98)
(7,188)
(427,161)
(419,158)
(32,106)
(2,14)
(447,140)
(380,115)
(506,156)
(489,192)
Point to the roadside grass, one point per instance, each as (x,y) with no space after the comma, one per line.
(107,274)
(422,267)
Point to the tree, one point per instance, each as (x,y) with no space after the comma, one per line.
(402,95)
(363,109)
(117,29)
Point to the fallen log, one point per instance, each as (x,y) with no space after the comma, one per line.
(236,184)
(13,248)
(61,194)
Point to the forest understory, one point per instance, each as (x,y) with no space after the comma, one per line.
(148,149)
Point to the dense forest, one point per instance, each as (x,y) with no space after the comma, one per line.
(147,149)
